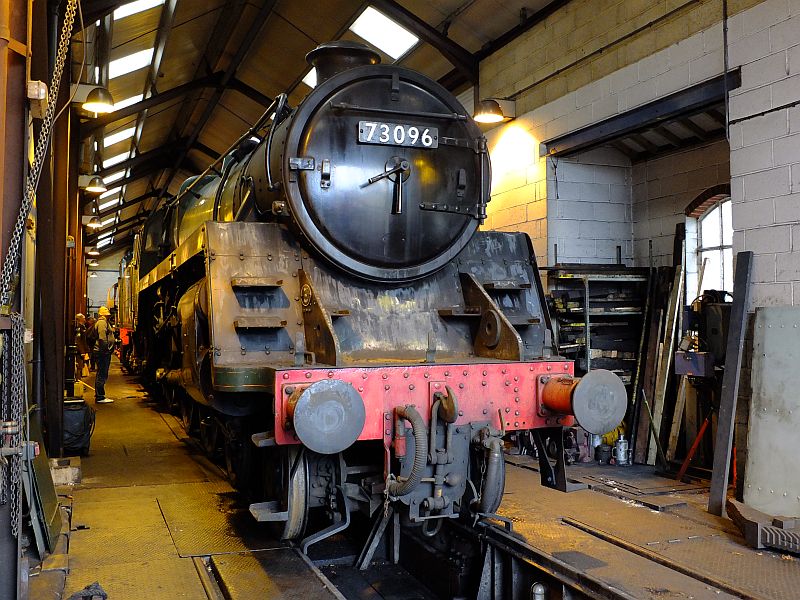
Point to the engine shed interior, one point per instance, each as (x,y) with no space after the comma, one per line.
(393,299)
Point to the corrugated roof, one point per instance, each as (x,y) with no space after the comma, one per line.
(199,38)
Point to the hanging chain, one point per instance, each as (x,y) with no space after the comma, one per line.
(17,392)
(9,272)
(12,344)
(5,414)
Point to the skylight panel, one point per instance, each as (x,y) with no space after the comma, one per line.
(311,78)
(108,204)
(383,33)
(110,192)
(130,63)
(113,177)
(126,10)
(115,160)
(128,101)
(108,221)
(105,242)
(118,136)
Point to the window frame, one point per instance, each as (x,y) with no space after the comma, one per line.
(722,246)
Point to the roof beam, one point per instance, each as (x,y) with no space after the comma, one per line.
(455,79)
(115,226)
(141,159)
(718,116)
(140,173)
(251,92)
(644,143)
(695,129)
(131,224)
(114,246)
(224,28)
(210,152)
(625,149)
(117,241)
(164,30)
(128,204)
(244,47)
(458,56)
(94,10)
(91,239)
(90,127)
(526,25)
(669,136)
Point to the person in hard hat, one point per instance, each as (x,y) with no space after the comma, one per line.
(91,341)
(105,348)
(81,346)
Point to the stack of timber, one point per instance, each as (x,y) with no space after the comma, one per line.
(655,391)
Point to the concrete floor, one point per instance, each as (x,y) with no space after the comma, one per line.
(119,536)
(650,545)
(151,506)
(153,516)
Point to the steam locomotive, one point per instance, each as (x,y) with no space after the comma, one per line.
(323,309)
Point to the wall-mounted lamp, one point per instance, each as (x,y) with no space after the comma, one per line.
(93,98)
(92,251)
(495,110)
(92,274)
(93,263)
(91,221)
(92,184)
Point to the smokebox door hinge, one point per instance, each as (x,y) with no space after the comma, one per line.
(302,163)
(325,174)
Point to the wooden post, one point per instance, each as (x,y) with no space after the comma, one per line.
(665,359)
(677,419)
(730,383)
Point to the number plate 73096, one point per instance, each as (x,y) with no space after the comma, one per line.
(397,134)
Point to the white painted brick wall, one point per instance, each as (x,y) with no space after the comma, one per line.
(764,167)
(572,216)
(585,223)
(663,188)
(765,158)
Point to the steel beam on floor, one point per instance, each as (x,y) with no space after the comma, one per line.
(730,383)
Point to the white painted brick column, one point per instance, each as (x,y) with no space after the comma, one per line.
(765,147)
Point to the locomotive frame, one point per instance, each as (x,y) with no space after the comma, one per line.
(335,381)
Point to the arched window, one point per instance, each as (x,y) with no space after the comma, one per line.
(715,246)
(709,237)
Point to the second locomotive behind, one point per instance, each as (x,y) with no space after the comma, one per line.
(323,308)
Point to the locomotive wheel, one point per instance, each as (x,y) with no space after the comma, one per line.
(209,433)
(286,480)
(188,411)
(238,456)
(171,399)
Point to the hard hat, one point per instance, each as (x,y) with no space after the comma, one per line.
(103,311)
(80,316)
